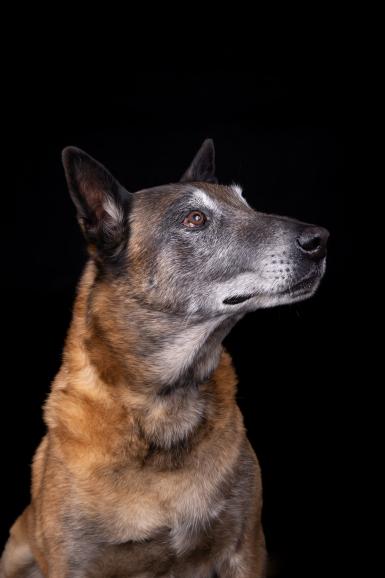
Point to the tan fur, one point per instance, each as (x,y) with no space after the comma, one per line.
(93,454)
(145,470)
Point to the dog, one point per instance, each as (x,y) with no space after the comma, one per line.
(146,470)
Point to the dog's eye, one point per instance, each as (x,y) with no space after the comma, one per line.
(195,219)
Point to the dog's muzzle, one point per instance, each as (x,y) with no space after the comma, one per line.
(308,265)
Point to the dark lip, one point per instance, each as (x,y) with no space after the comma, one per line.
(235,299)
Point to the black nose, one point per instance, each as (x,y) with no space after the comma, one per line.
(313,241)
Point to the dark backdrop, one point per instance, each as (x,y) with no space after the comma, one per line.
(279,133)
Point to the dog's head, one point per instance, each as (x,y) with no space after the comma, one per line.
(193,247)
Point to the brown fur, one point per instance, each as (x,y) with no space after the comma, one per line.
(99,473)
(145,470)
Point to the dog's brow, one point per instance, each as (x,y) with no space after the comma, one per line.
(202,197)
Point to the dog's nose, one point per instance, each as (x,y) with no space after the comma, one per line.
(312,241)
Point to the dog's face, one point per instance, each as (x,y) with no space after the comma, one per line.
(194,247)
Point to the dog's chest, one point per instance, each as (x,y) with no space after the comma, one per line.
(183,503)
(193,513)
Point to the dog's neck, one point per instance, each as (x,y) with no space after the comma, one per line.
(163,362)
(151,350)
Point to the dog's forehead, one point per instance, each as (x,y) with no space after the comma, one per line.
(207,195)
(219,194)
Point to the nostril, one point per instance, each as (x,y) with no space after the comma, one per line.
(312,241)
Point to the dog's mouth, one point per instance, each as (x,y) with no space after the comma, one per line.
(305,285)
(235,299)
(302,287)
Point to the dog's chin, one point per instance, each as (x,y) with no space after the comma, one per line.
(304,288)
(297,291)
(300,291)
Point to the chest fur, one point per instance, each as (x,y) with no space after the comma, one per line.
(184,504)
(183,501)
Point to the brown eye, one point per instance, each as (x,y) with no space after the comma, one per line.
(195,219)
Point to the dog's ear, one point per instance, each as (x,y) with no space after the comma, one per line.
(101,202)
(202,167)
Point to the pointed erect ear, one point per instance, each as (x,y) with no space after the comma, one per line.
(101,202)
(202,167)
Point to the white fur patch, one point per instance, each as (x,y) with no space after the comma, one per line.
(204,198)
(237,189)
(113,210)
(242,284)
(177,356)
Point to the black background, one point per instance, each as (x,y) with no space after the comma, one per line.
(279,128)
